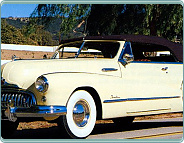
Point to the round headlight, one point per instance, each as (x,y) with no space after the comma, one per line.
(42,84)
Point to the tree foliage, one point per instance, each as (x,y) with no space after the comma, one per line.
(156,20)
(70,14)
(164,20)
(115,19)
(37,34)
(12,35)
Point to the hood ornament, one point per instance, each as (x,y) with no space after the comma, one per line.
(14,57)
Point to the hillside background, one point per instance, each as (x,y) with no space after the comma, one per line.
(17,31)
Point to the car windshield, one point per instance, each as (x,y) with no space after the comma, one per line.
(87,50)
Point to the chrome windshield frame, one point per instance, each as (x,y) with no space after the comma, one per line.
(80,49)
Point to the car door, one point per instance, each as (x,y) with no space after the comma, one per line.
(174,84)
(144,85)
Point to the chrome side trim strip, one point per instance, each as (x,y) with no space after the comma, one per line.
(138,99)
(149,111)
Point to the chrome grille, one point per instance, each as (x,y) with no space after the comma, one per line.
(20,98)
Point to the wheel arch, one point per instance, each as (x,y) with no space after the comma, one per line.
(96,98)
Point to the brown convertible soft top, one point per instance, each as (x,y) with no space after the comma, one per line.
(176,48)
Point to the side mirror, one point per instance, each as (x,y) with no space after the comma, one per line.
(128,58)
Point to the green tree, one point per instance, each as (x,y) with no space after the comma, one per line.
(147,19)
(164,20)
(70,14)
(40,36)
(12,35)
(116,19)
(103,19)
(155,19)
(28,35)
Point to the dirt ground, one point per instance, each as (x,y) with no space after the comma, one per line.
(45,124)
(7,55)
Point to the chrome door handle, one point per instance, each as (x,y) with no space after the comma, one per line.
(109,69)
(164,69)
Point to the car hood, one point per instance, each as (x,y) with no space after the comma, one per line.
(24,73)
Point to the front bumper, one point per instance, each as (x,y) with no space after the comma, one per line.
(16,102)
(12,113)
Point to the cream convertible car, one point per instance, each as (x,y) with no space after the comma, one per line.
(109,77)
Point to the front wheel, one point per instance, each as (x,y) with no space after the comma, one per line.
(81,115)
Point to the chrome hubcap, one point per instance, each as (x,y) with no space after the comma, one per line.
(81,113)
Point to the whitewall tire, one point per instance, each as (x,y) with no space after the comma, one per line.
(81,115)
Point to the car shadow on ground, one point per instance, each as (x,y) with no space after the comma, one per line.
(55,133)
(112,128)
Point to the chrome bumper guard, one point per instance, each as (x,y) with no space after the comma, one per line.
(35,111)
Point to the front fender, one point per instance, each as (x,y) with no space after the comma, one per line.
(62,85)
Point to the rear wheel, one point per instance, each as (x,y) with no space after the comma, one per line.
(8,128)
(81,115)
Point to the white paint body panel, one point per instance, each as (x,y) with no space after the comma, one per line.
(142,87)
(136,80)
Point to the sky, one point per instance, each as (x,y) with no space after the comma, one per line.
(17,10)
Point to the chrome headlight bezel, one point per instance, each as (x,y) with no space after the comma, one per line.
(42,84)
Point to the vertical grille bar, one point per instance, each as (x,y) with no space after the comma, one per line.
(21,99)
(18,100)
